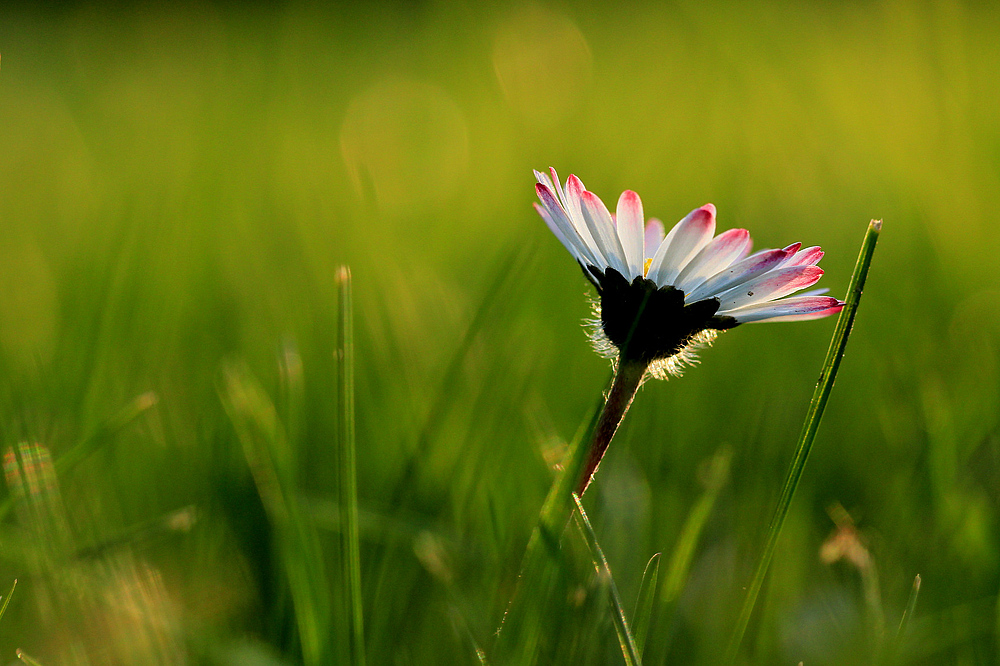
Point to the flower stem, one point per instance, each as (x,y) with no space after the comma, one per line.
(628,377)
(817,406)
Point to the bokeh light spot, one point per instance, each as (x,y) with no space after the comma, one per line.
(543,63)
(405,144)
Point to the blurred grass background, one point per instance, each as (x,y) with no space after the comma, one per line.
(179,184)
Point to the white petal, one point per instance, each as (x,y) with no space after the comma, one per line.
(741,271)
(598,219)
(789,309)
(556,217)
(724,249)
(629,220)
(683,242)
(544,180)
(559,188)
(554,228)
(768,287)
(573,205)
(653,237)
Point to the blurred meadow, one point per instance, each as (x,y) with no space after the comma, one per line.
(179,185)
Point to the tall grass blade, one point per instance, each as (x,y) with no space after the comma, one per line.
(644,602)
(814,415)
(297,545)
(350,541)
(6,599)
(625,638)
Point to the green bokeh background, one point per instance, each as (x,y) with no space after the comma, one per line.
(179,184)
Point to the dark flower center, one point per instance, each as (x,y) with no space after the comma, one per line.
(646,322)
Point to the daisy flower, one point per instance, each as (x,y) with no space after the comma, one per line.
(662,296)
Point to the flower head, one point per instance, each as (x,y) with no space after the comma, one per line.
(663,295)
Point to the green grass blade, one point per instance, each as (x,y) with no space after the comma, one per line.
(104,432)
(292,397)
(511,268)
(576,470)
(100,436)
(625,638)
(821,395)
(680,560)
(297,545)
(714,476)
(644,602)
(23,656)
(911,604)
(142,533)
(517,634)
(350,541)
(6,599)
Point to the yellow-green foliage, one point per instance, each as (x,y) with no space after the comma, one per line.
(179,184)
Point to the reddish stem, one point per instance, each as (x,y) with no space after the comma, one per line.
(627,380)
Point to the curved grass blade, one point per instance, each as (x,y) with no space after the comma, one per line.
(644,602)
(350,541)
(625,638)
(814,415)
(6,599)
(714,476)
(680,560)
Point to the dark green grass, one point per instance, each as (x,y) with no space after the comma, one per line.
(178,187)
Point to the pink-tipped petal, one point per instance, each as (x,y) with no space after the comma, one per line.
(807,257)
(800,308)
(598,220)
(572,202)
(569,203)
(683,242)
(629,220)
(720,253)
(791,251)
(741,271)
(769,287)
(653,237)
(574,193)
